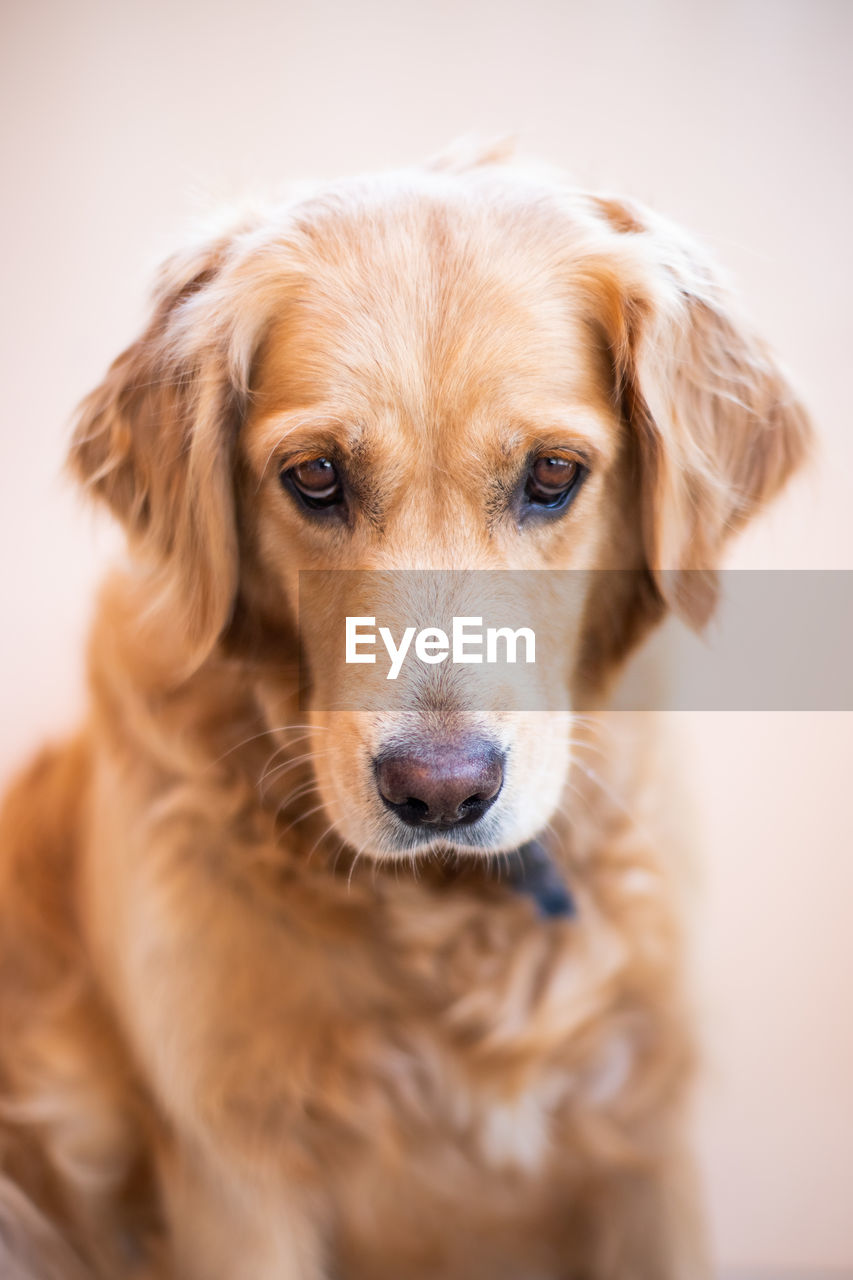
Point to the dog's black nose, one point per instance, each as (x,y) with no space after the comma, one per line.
(441,784)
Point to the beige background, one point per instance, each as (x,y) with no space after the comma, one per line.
(121,119)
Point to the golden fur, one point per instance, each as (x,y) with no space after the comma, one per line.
(240,1038)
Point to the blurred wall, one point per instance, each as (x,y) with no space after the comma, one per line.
(121,120)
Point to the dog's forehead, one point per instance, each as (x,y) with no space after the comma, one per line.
(424,312)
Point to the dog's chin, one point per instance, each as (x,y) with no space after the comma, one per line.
(391,840)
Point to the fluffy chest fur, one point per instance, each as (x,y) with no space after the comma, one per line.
(439,1063)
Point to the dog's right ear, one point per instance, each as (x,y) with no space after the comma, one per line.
(155,442)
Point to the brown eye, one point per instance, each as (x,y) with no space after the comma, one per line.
(552,480)
(316,482)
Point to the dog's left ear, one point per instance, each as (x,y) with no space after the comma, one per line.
(717,427)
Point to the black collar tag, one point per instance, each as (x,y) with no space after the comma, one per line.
(532,871)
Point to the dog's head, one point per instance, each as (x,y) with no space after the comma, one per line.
(443,369)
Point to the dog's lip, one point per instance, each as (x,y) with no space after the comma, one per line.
(439,824)
(446,838)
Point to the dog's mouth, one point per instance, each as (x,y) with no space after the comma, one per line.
(477,837)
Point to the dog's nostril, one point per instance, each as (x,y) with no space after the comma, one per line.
(440,784)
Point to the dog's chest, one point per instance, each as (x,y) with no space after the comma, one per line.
(480,1084)
(430,1059)
(480,1027)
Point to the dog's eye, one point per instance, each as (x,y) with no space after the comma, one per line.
(552,480)
(316,482)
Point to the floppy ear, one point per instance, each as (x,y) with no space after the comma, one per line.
(155,442)
(718,427)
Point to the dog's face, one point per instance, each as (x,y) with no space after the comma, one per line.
(429,399)
(465,372)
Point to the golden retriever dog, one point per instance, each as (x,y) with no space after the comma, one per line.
(269,1007)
